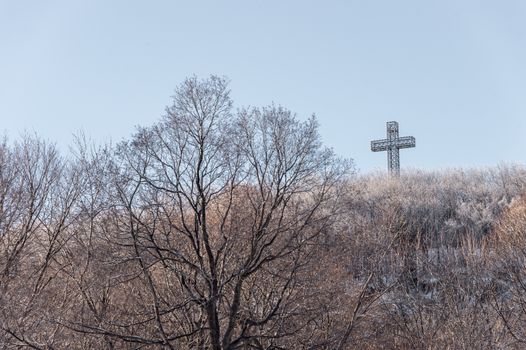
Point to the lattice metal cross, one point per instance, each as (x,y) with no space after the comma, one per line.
(392,145)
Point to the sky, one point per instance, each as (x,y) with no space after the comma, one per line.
(452,73)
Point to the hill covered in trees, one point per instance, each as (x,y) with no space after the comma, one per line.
(216,229)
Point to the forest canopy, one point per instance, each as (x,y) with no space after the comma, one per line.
(218,228)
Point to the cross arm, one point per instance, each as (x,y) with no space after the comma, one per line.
(380,145)
(405,142)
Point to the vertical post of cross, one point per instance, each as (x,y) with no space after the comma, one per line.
(393,154)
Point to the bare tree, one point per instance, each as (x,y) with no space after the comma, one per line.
(221,214)
(37,203)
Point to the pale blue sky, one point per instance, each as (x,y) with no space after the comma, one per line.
(451,72)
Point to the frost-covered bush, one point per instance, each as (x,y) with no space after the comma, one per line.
(438,207)
(426,240)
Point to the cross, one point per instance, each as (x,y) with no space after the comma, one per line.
(392,145)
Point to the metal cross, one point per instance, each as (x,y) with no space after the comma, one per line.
(392,145)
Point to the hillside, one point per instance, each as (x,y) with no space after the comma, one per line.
(220,230)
